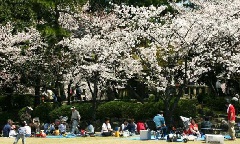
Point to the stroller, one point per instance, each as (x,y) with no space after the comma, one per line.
(177,134)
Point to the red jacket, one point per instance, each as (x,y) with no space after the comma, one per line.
(231,109)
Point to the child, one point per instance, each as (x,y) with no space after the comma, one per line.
(21,134)
(12,132)
(62,127)
(90,129)
(56,132)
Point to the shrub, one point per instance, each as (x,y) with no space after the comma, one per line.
(42,111)
(111,109)
(85,110)
(149,110)
(186,108)
(117,109)
(21,100)
(120,109)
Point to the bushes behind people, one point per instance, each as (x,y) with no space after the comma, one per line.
(65,110)
(118,109)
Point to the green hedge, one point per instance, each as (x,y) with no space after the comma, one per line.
(43,110)
(120,109)
(84,109)
(23,100)
(16,101)
(186,108)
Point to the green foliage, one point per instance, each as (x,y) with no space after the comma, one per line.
(120,109)
(11,114)
(61,111)
(148,110)
(186,108)
(21,100)
(151,98)
(84,109)
(4,102)
(42,111)
(117,109)
(16,101)
(216,103)
(22,111)
(110,109)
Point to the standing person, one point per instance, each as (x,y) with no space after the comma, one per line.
(78,92)
(160,123)
(21,134)
(75,119)
(70,91)
(231,120)
(7,128)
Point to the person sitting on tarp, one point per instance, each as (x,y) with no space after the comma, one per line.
(205,125)
(130,127)
(106,128)
(90,129)
(140,126)
(193,129)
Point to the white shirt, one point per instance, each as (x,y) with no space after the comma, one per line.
(105,127)
(28,129)
(62,128)
(12,133)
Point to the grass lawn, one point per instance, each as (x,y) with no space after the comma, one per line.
(97,140)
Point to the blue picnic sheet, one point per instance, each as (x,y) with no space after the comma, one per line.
(137,137)
(61,136)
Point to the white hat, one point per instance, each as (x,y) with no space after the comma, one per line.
(73,107)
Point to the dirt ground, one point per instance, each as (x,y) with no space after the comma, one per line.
(98,140)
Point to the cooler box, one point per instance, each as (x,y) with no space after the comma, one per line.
(145,135)
(210,138)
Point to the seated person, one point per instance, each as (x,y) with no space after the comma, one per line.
(52,128)
(62,127)
(206,124)
(13,132)
(56,132)
(130,127)
(106,128)
(193,129)
(90,129)
(124,125)
(140,126)
(46,127)
(160,124)
(28,130)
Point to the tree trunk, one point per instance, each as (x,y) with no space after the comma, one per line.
(94,103)
(169,107)
(37,91)
(94,93)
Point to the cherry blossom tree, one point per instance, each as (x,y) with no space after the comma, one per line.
(159,49)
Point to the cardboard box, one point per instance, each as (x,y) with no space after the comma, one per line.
(145,135)
(216,139)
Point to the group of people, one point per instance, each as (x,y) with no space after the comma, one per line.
(193,129)
(128,125)
(11,130)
